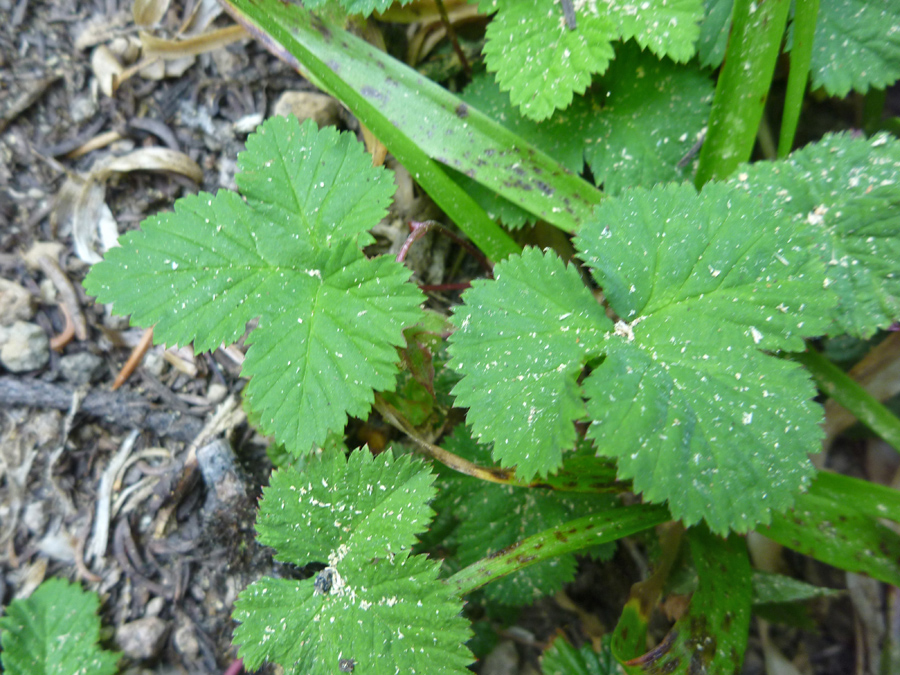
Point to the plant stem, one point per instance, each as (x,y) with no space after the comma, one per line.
(835,383)
(756,32)
(805,14)
(420,229)
(575,535)
(451,33)
(597,478)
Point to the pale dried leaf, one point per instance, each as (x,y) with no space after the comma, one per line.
(149,12)
(150,159)
(192,46)
(49,249)
(101,30)
(178,67)
(107,69)
(201,17)
(81,202)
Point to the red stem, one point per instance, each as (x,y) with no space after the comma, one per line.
(419,230)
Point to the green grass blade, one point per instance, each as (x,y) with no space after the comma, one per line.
(845,390)
(743,86)
(826,525)
(805,16)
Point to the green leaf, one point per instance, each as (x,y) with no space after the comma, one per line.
(300,178)
(542,61)
(685,400)
(637,129)
(754,45)
(493,517)
(831,529)
(575,535)
(329,319)
(391,616)
(711,637)
(714,31)
(870,499)
(654,113)
(521,343)
(539,60)
(693,411)
(561,658)
(771,588)
(373,603)
(846,191)
(361,7)
(368,507)
(54,632)
(856,46)
(561,137)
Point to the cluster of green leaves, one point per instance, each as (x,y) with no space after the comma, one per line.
(675,384)
(55,631)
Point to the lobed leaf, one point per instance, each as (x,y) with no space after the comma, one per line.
(542,59)
(653,114)
(374,605)
(368,507)
(54,632)
(845,191)
(684,400)
(329,318)
(694,413)
(539,60)
(521,343)
(561,658)
(856,46)
(300,176)
(388,617)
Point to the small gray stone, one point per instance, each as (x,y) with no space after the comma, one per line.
(81,368)
(305,105)
(16,303)
(186,641)
(35,516)
(222,475)
(142,639)
(25,347)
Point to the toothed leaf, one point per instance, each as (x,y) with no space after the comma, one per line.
(542,58)
(684,396)
(288,254)
(856,46)
(521,342)
(54,632)
(374,607)
(846,192)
